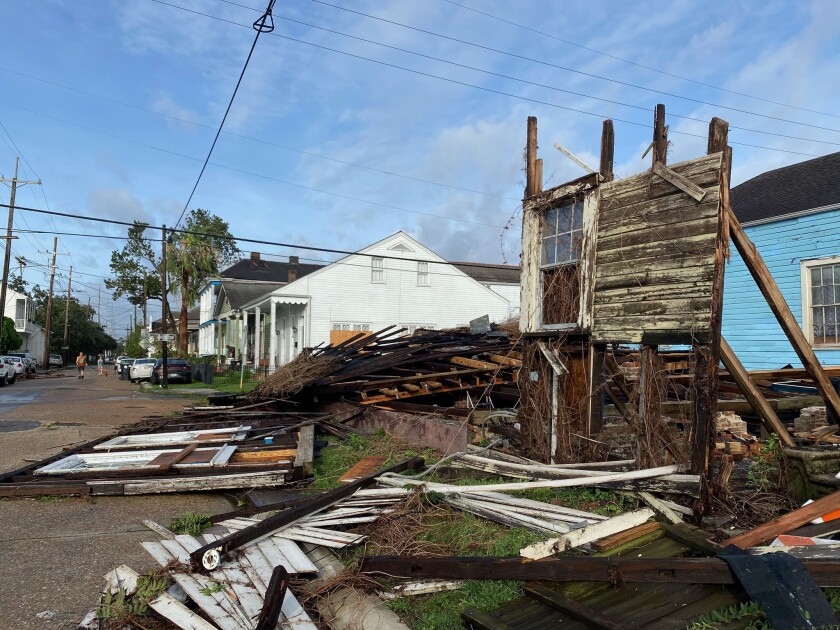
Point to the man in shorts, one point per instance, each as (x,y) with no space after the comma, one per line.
(80,363)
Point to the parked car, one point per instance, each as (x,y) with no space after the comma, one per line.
(177,370)
(55,360)
(123,361)
(28,361)
(118,360)
(17,366)
(6,372)
(141,370)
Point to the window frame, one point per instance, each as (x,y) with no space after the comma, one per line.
(423,276)
(577,208)
(377,270)
(805,267)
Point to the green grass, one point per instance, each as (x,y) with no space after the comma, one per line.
(190,523)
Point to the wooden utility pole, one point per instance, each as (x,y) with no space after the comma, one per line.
(99,306)
(164,371)
(66,346)
(145,297)
(15,182)
(49,304)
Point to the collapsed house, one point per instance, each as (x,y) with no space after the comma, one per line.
(636,261)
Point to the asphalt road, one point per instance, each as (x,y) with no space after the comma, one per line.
(54,551)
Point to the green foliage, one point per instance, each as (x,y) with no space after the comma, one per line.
(212,587)
(83,333)
(190,523)
(745,611)
(132,346)
(10,340)
(119,606)
(766,471)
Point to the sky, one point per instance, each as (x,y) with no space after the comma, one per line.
(359,118)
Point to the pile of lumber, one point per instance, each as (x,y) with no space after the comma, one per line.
(387,367)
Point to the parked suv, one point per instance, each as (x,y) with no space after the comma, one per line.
(55,360)
(176,370)
(119,360)
(7,372)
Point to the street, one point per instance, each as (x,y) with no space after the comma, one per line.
(56,550)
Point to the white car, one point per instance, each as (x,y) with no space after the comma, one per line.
(16,367)
(7,372)
(141,370)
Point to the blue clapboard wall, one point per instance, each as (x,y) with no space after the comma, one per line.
(748,324)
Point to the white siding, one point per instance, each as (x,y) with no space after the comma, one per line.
(511,293)
(343,292)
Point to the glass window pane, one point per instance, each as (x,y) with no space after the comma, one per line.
(836,274)
(816,296)
(827,276)
(564,219)
(564,248)
(578,218)
(816,277)
(827,295)
(818,316)
(550,222)
(549,256)
(829,315)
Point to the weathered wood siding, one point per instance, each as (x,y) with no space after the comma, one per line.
(655,255)
(748,324)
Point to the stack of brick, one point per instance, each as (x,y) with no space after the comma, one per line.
(810,418)
(730,422)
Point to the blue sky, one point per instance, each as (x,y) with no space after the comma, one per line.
(98,157)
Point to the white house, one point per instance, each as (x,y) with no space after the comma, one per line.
(19,310)
(396,281)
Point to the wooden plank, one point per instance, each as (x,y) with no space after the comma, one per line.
(605,166)
(481,620)
(609,542)
(473,363)
(274,595)
(166,462)
(573,157)
(753,394)
(304,464)
(362,468)
(577,569)
(282,519)
(170,608)
(770,290)
(264,456)
(786,522)
(683,183)
(581,612)
(649,215)
(586,534)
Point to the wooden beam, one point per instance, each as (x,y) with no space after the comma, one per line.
(770,290)
(607,151)
(660,136)
(683,183)
(577,569)
(590,617)
(573,157)
(531,187)
(275,593)
(786,522)
(597,385)
(474,363)
(753,394)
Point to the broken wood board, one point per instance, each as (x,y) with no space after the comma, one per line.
(363,467)
(610,542)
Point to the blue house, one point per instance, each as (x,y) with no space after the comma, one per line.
(792,214)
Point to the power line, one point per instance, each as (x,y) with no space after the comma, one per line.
(635,63)
(326,250)
(253,139)
(483,88)
(264,24)
(567,69)
(261,176)
(644,108)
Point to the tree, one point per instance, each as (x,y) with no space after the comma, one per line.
(132,346)
(10,339)
(136,264)
(84,334)
(17,283)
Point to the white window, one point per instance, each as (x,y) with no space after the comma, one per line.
(562,235)
(377,269)
(821,301)
(422,274)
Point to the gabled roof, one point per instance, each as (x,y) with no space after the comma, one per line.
(266,270)
(493,274)
(239,293)
(789,190)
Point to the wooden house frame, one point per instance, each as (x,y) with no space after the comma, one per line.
(640,261)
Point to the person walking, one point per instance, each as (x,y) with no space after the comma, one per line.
(80,363)
(100,366)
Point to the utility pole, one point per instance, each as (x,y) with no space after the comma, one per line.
(164,381)
(7,259)
(99,307)
(145,297)
(66,346)
(49,305)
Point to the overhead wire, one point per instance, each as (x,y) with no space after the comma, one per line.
(264,24)
(636,63)
(483,88)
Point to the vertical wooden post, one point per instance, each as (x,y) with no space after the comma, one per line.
(707,356)
(531,158)
(607,151)
(660,136)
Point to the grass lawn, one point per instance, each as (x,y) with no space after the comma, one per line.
(226,384)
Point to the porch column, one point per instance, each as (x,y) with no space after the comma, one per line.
(272,359)
(257,340)
(243,337)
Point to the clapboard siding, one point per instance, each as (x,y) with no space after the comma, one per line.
(748,324)
(655,255)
